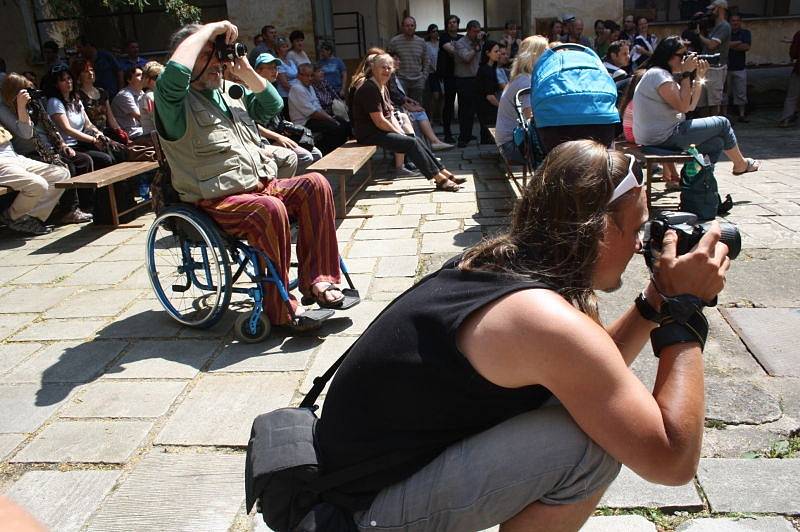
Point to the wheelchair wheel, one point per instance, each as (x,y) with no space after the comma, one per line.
(189,267)
(243,332)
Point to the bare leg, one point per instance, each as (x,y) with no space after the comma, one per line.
(670,172)
(553,517)
(399,160)
(735,155)
(427,130)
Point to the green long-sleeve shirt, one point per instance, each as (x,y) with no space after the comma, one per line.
(173,86)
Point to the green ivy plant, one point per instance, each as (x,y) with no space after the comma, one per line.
(181,10)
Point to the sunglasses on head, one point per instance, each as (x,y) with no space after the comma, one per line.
(634,179)
(55,69)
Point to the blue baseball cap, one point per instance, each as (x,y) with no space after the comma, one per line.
(265,59)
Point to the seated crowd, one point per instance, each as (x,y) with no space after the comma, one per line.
(96,110)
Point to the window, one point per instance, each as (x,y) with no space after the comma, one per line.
(492,14)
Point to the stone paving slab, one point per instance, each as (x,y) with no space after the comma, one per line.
(733,441)
(190,492)
(766,278)
(33,299)
(618,523)
(273,354)
(384,234)
(62,500)
(742,524)
(93,303)
(383,248)
(737,401)
(400,221)
(144,319)
(629,490)
(23,407)
(449,242)
(8,442)
(66,362)
(153,359)
(771,335)
(324,357)
(221,408)
(397,266)
(11,323)
(353,321)
(13,354)
(8,273)
(103,273)
(46,274)
(105,442)
(121,399)
(758,486)
(61,329)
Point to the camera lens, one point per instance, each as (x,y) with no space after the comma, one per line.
(730,236)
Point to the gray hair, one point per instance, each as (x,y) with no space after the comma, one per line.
(181,35)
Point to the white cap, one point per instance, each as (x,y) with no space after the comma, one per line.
(718,3)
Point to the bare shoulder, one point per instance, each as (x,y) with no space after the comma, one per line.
(511,341)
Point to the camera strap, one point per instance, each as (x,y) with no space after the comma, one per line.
(208,62)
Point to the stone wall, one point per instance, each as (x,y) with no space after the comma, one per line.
(286,15)
(588,11)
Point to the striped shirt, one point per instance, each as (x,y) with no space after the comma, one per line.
(413,55)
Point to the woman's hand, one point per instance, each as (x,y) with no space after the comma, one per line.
(69,152)
(23,98)
(702,68)
(99,142)
(689,63)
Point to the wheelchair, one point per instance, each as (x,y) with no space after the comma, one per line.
(194,268)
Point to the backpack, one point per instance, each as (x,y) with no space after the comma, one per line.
(570,87)
(699,193)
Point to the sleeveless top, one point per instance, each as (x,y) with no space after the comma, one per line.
(406,392)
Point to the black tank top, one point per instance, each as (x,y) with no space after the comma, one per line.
(405,388)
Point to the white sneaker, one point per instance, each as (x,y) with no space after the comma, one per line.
(441,146)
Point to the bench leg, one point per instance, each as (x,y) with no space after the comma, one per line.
(112,198)
(341,212)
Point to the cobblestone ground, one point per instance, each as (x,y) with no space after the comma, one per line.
(114,417)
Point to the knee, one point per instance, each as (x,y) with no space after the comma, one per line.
(319,183)
(37,186)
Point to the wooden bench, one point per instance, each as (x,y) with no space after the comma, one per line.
(108,176)
(508,166)
(650,160)
(343,162)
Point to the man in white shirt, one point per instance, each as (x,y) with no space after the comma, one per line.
(305,110)
(125,104)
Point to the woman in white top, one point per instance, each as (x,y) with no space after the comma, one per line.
(297,54)
(147,105)
(527,56)
(643,44)
(661,103)
(66,110)
(287,71)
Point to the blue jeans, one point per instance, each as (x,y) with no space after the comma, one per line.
(710,135)
(511,152)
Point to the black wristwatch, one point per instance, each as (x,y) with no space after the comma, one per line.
(685,75)
(646,309)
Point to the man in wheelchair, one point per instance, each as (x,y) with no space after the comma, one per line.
(213,148)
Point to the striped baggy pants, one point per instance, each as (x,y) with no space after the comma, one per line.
(262,218)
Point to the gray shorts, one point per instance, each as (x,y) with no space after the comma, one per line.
(737,86)
(489,478)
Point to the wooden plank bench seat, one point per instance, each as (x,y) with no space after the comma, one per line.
(343,162)
(108,176)
(510,171)
(650,160)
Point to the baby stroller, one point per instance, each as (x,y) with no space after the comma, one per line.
(525,136)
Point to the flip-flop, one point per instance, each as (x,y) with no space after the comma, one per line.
(350,298)
(752,166)
(457,180)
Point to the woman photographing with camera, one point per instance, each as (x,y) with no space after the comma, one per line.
(670,88)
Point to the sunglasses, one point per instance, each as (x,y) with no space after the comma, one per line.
(55,69)
(634,179)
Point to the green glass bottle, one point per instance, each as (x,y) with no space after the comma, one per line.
(692,168)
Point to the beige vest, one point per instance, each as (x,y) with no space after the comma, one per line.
(217,156)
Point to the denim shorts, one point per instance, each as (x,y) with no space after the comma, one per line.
(490,477)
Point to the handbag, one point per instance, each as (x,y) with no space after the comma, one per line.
(300,134)
(699,193)
(282,470)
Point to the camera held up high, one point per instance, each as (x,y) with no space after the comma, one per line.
(228,52)
(689,234)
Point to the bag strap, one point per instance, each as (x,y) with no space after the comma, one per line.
(319,384)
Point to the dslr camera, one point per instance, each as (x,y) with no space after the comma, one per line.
(228,52)
(702,21)
(689,234)
(713,59)
(35,94)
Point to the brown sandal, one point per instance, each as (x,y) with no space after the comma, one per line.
(448,186)
(457,180)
